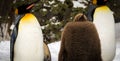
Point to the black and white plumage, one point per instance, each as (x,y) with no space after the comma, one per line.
(104,21)
(27,38)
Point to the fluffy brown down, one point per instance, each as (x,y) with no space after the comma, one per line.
(47,54)
(80,41)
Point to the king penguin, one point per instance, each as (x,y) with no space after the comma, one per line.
(80,41)
(104,21)
(27,38)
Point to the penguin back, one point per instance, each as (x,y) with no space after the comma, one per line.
(80,42)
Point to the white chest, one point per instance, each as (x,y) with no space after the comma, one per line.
(29,44)
(104,23)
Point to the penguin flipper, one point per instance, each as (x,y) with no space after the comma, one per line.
(47,55)
(12,42)
(14,36)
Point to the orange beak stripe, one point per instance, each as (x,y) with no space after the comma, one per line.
(30,6)
(105,0)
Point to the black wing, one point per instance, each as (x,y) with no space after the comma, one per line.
(90,12)
(12,42)
(14,36)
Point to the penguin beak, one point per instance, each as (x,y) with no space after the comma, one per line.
(30,6)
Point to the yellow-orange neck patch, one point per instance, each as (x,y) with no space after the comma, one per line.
(28,18)
(27,21)
(94,1)
(103,8)
(16,11)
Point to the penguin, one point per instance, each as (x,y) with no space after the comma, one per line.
(90,11)
(104,21)
(26,42)
(47,54)
(80,41)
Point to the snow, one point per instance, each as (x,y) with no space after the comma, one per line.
(117,57)
(54,48)
(77,4)
(5,51)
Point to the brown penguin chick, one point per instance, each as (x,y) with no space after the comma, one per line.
(47,54)
(80,41)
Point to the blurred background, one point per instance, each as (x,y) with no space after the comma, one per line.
(52,15)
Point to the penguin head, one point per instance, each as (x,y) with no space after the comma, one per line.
(99,2)
(80,17)
(25,8)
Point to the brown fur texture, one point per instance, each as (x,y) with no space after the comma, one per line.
(47,55)
(80,41)
(80,17)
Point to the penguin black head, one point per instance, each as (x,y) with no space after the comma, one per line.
(99,2)
(24,9)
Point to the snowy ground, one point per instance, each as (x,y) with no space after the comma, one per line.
(5,51)
(117,57)
(54,48)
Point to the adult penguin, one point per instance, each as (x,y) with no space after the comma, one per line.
(27,38)
(104,22)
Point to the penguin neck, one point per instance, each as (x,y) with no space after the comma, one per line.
(104,8)
(101,5)
(29,21)
(30,39)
